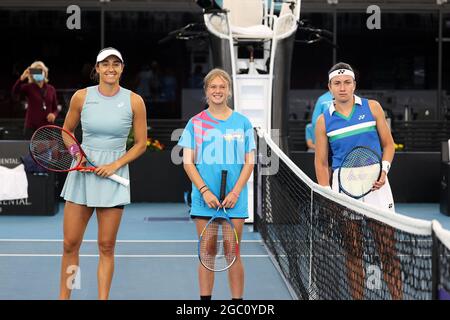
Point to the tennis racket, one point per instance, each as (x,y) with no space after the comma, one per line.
(56,149)
(360,169)
(218,245)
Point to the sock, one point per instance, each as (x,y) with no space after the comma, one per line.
(205,297)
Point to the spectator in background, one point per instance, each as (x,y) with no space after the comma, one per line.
(196,78)
(155,81)
(143,80)
(322,104)
(42,104)
(309,137)
(168,85)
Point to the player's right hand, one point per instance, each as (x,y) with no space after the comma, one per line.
(25,74)
(378,184)
(210,199)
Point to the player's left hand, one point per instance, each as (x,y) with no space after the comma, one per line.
(378,184)
(82,162)
(230,200)
(106,170)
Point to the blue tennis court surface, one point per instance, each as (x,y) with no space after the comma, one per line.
(156,256)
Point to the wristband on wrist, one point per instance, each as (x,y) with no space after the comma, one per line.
(201,188)
(74,149)
(385,166)
(204,191)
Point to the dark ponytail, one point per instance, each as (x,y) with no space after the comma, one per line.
(94,75)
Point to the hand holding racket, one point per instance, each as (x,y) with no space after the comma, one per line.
(360,172)
(56,149)
(218,245)
(210,199)
(381,180)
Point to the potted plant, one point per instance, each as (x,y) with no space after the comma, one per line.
(152,144)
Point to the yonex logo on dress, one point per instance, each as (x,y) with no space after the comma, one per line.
(361,117)
(120,105)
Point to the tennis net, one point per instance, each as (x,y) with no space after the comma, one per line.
(441,262)
(330,246)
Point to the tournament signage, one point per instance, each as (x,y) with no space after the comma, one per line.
(41,186)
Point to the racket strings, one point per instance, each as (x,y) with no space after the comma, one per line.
(359,170)
(218,245)
(49,147)
(360,157)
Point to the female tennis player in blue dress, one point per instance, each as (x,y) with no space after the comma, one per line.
(217,139)
(107,113)
(353,121)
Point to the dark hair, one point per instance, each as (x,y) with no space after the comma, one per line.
(94,75)
(340,65)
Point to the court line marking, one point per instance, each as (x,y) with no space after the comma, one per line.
(125,255)
(117,241)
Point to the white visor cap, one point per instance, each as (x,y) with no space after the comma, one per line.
(105,53)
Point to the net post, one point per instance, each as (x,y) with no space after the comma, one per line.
(256,185)
(434,263)
(310,242)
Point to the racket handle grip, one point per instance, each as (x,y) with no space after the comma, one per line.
(223,185)
(119,179)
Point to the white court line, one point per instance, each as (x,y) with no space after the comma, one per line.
(125,255)
(119,241)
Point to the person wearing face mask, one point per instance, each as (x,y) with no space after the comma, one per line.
(41,97)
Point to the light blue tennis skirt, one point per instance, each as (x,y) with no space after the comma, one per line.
(91,190)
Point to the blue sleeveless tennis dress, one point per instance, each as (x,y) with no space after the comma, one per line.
(106,123)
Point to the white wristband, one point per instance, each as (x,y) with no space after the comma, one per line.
(386,166)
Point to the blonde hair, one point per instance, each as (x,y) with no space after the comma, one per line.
(41,65)
(217,72)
